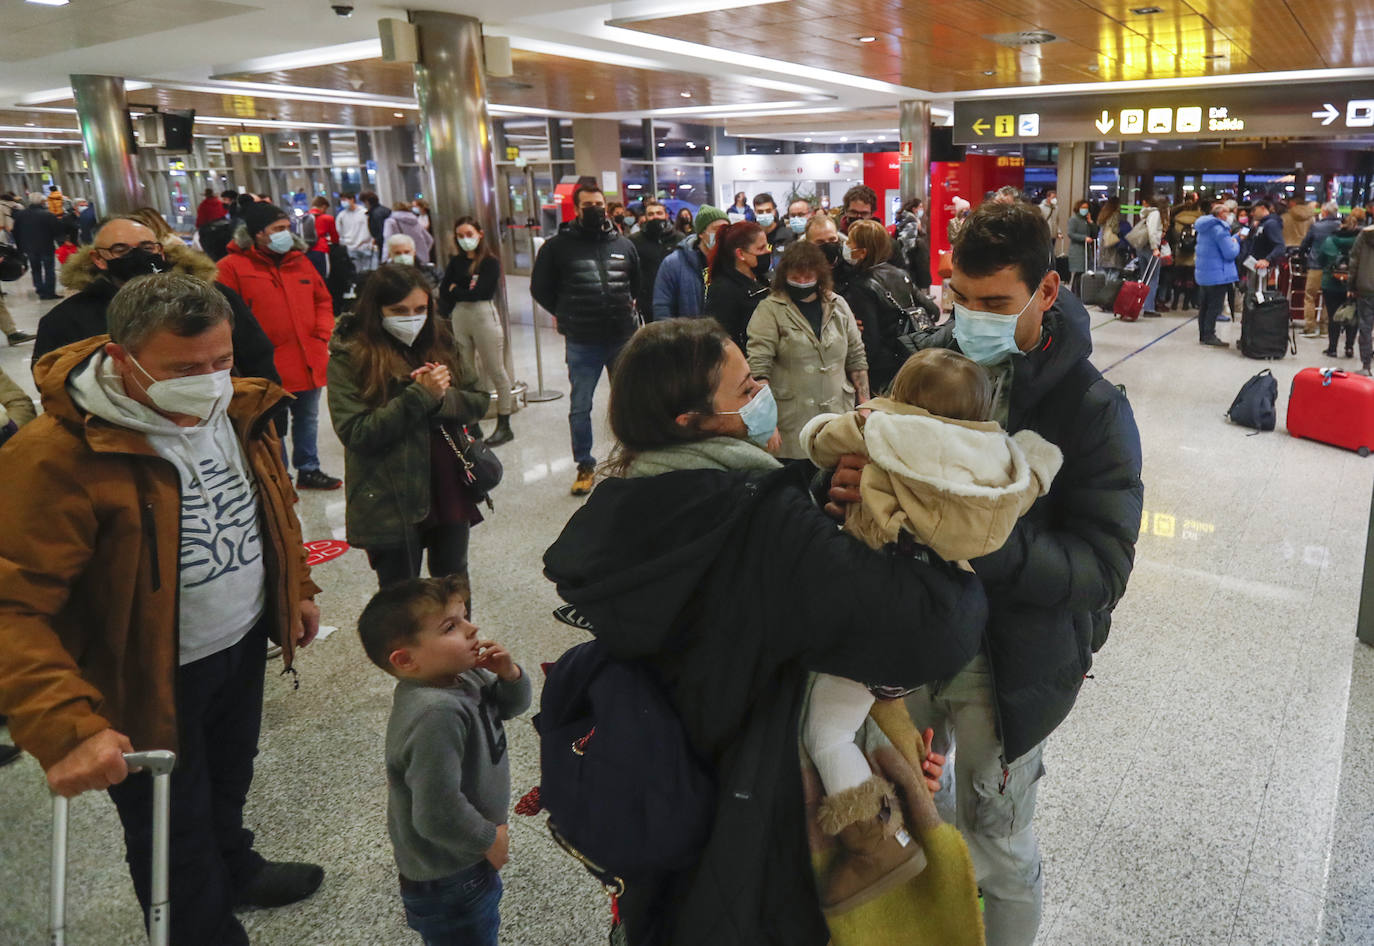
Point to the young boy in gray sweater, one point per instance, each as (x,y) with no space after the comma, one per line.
(448,777)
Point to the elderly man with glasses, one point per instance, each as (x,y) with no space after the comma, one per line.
(125,249)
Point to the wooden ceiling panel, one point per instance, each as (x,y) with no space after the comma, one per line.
(942,45)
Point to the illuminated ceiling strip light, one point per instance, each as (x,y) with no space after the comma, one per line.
(44,110)
(320,56)
(1200,83)
(267,123)
(36,141)
(37,129)
(290,93)
(714,110)
(746,61)
(653,9)
(65,92)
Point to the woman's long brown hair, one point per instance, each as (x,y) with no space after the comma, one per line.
(484,249)
(383,360)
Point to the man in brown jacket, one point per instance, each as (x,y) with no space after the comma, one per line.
(150,547)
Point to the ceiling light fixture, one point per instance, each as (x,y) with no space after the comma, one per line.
(399,114)
(1146,11)
(989,72)
(867,39)
(685,95)
(1215,56)
(806,139)
(50,3)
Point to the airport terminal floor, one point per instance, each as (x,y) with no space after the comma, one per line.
(1214,785)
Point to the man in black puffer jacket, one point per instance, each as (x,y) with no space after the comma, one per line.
(586,276)
(1052,587)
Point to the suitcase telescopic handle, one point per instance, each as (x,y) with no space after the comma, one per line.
(159,763)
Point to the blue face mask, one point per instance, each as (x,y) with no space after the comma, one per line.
(281,241)
(798,224)
(760,416)
(987,337)
(764,220)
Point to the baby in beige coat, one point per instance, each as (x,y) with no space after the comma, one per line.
(950,479)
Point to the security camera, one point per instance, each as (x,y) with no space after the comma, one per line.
(342,9)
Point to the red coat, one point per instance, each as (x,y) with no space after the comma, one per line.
(325,230)
(210,210)
(290,301)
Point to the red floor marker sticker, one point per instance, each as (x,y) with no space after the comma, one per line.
(325,550)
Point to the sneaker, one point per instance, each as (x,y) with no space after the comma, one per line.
(1149,314)
(583,484)
(1311,333)
(278,883)
(19,338)
(273,650)
(1215,342)
(317,479)
(1223,318)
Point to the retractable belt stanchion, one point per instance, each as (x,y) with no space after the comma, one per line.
(540,394)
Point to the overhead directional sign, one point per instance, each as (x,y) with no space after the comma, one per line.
(1252,111)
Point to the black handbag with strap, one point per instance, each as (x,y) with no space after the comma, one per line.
(482,471)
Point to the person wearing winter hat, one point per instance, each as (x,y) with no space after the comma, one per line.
(680,287)
(267,266)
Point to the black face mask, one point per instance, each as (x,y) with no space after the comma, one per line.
(798,294)
(834,252)
(135,263)
(765,263)
(593,217)
(655,229)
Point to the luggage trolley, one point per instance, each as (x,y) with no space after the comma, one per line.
(159,762)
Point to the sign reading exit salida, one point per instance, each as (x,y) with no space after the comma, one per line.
(1323,109)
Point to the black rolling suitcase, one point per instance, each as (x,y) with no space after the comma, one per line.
(1265,329)
(1094,280)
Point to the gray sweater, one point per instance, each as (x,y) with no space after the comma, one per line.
(448,777)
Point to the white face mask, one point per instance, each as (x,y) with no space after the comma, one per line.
(281,241)
(847,252)
(708,240)
(405,259)
(469,243)
(404,328)
(199,395)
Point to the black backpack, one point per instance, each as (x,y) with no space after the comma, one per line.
(1187,239)
(1340,270)
(1254,406)
(13,264)
(623,788)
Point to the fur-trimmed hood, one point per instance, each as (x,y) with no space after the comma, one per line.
(956,486)
(80,271)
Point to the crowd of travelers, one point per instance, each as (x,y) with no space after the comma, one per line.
(840,532)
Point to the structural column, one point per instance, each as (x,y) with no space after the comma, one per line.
(103,113)
(915,128)
(451,87)
(1075,174)
(596,150)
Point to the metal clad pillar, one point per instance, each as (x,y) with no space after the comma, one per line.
(452,91)
(915,128)
(1072,180)
(103,113)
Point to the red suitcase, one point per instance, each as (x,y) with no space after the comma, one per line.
(1333,407)
(1130,301)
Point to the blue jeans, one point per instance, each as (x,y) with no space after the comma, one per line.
(462,909)
(304,424)
(1147,259)
(44,275)
(585,362)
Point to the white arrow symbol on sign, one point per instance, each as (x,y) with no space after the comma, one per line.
(1328,114)
(1105,123)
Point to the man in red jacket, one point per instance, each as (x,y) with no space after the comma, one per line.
(266,265)
(211,208)
(326,234)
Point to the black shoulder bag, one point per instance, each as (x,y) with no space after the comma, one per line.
(481,469)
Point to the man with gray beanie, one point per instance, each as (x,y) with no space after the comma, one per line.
(267,266)
(150,550)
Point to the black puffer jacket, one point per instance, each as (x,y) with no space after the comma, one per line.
(734,586)
(588,281)
(1052,586)
(731,299)
(881,322)
(652,252)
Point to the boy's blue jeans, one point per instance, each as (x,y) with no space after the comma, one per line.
(462,909)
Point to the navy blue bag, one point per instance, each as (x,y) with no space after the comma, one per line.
(1254,406)
(618,777)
